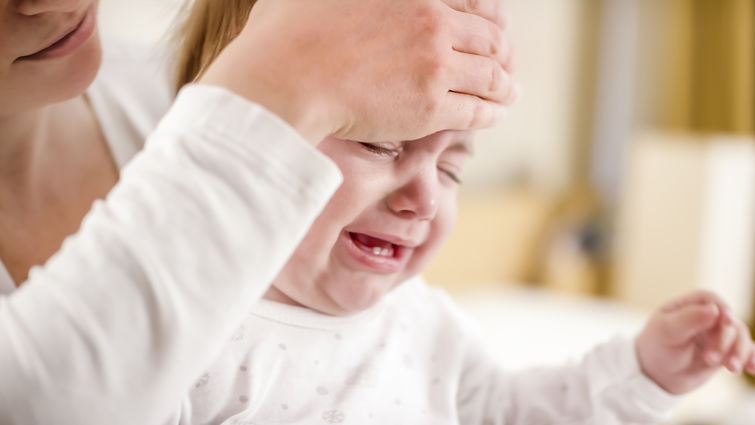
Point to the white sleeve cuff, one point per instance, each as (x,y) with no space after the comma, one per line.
(631,388)
(229,119)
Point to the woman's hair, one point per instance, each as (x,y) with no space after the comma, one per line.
(208,27)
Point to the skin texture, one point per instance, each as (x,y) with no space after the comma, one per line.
(405,191)
(380,70)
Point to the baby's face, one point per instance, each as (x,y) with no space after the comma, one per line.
(396,206)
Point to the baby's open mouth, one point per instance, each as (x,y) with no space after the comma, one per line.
(374,245)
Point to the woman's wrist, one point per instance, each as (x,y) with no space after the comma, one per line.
(300,110)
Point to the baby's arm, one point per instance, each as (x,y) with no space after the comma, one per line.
(607,387)
(691,338)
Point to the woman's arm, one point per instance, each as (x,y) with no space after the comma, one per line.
(119,321)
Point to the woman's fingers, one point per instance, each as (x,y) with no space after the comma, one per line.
(476,35)
(392,65)
(480,76)
(488,9)
(464,111)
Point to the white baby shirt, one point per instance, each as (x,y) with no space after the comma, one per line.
(411,359)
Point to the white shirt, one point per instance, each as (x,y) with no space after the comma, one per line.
(411,359)
(119,322)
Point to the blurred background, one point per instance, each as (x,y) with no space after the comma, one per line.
(625,176)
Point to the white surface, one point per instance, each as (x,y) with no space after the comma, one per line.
(535,327)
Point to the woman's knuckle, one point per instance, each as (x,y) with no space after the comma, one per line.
(433,72)
(472,6)
(430,21)
(496,78)
(478,113)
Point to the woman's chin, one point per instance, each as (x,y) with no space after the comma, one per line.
(59,80)
(81,69)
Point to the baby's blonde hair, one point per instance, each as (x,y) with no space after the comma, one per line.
(208,27)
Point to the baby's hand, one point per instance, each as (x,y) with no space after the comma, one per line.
(689,339)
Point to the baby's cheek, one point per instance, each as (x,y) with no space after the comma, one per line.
(439,231)
(440,228)
(445,220)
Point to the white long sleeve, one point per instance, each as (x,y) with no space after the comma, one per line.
(116,326)
(606,388)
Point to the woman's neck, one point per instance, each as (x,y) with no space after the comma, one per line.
(23,137)
(54,163)
(50,144)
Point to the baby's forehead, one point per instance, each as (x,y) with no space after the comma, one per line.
(456,135)
(454,140)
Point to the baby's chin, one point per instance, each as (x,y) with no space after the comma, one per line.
(359,296)
(348,304)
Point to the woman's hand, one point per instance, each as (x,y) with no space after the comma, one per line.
(690,339)
(377,70)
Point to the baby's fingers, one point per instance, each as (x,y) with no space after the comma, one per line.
(696,298)
(751,363)
(687,322)
(741,351)
(719,343)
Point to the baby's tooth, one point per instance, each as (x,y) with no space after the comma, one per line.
(385,252)
(376,250)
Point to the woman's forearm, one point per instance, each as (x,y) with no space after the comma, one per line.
(118,323)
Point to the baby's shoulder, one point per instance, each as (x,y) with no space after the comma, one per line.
(432,305)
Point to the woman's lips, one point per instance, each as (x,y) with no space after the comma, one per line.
(380,256)
(70,42)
